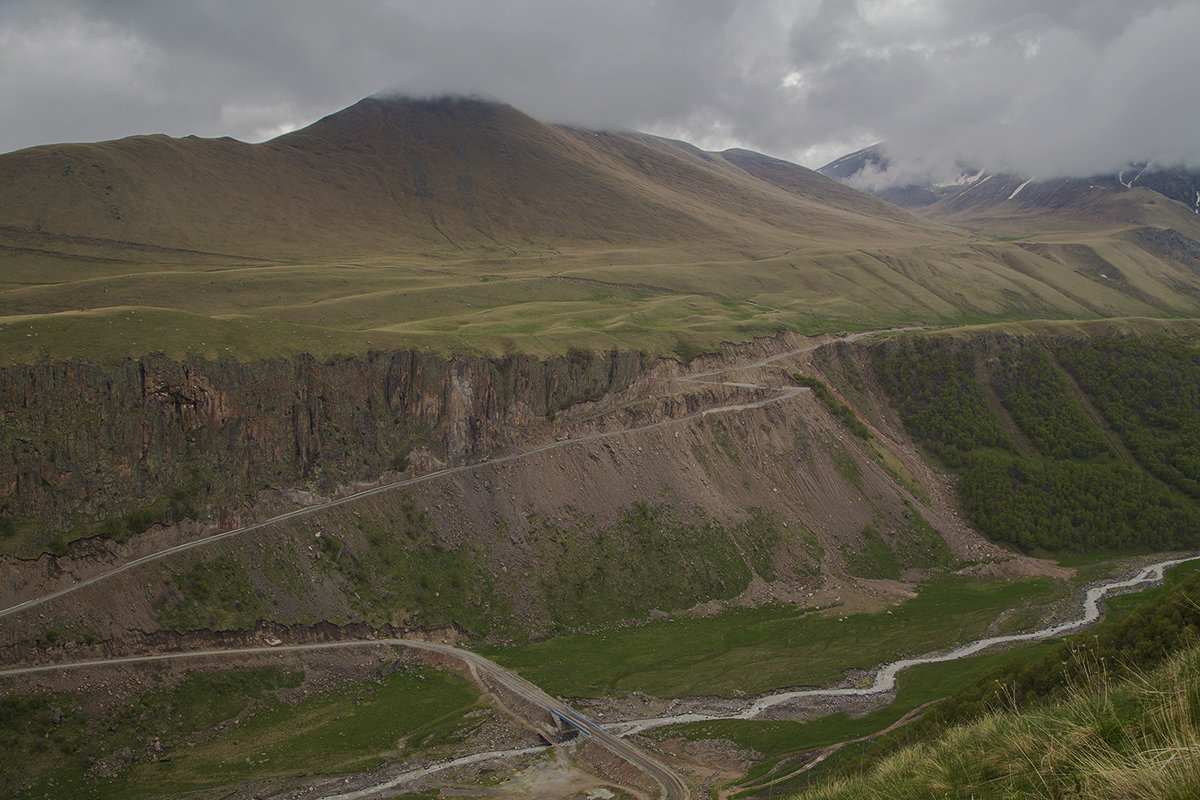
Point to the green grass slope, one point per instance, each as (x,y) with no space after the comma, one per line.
(410,175)
(211,730)
(465,226)
(1109,713)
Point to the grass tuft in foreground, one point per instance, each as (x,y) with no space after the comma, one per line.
(1136,739)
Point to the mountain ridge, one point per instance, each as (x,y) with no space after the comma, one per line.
(388,172)
(466,226)
(978,196)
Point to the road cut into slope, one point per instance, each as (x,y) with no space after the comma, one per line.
(410,776)
(773,395)
(672,787)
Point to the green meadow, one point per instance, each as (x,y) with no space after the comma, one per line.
(225,727)
(106,304)
(744,652)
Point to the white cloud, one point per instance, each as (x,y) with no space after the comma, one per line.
(262,120)
(1036,85)
(61,78)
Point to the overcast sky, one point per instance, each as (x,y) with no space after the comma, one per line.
(1042,87)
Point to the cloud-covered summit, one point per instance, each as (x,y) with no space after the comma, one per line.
(1036,86)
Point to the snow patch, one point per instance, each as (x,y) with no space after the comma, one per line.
(977,185)
(1017,191)
(1133,180)
(963,179)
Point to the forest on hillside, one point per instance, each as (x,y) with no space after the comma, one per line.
(1063,446)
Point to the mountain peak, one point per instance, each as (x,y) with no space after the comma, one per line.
(387,114)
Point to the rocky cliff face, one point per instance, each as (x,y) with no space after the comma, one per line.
(90,448)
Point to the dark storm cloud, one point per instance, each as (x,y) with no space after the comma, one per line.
(1041,86)
(221,67)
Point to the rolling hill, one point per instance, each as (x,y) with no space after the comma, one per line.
(984,199)
(461,225)
(388,175)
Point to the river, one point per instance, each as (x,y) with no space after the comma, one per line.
(884,681)
(885,677)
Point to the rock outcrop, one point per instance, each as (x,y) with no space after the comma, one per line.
(148,439)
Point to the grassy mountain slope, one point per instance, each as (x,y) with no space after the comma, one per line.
(466,226)
(1008,203)
(456,225)
(1129,740)
(1106,714)
(387,175)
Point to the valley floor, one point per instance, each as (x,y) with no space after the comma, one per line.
(702,759)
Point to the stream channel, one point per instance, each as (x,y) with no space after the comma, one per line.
(884,682)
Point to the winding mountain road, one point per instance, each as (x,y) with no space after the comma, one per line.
(777,395)
(672,786)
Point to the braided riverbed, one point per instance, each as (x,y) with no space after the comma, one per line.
(885,677)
